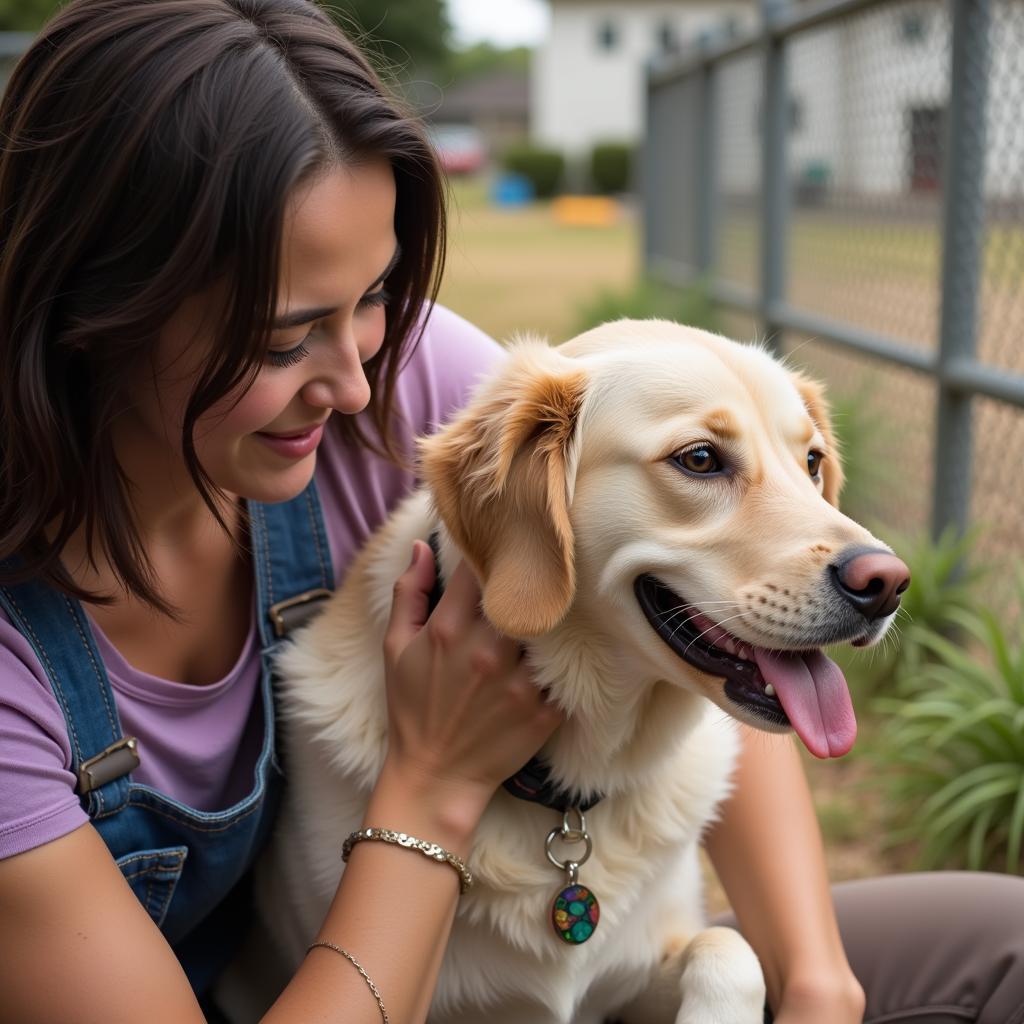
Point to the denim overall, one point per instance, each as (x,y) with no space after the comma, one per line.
(181,863)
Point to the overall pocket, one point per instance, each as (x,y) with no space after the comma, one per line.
(152,875)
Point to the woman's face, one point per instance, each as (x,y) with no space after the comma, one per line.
(338,246)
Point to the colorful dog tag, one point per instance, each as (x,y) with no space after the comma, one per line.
(575,913)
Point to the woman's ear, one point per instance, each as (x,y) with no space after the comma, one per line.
(817,405)
(502,475)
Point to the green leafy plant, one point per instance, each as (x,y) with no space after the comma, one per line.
(544,168)
(25,15)
(952,746)
(648,299)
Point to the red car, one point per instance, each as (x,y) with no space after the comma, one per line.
(460,147)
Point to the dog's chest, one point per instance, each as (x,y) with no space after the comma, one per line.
(504,951)
(643,869)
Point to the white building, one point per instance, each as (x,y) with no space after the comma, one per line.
(868,95)
(588,77)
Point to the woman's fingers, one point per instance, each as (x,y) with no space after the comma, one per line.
(459,611)
(460,604)
(410,603)
(462,704)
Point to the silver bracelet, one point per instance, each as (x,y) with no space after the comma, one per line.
(359,967)
(431,850)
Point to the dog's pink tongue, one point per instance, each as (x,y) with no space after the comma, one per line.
(812,690)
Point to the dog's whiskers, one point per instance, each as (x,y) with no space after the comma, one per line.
(719,624)
(667,616)
(695,614)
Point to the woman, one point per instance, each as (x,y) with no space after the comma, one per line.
(219,243)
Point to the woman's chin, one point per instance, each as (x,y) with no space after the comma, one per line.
(274,487)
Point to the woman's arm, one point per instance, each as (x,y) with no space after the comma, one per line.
(449,747)
(767,852)
(76,944)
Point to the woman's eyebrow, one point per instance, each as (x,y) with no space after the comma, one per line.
(392,263)
(298,317)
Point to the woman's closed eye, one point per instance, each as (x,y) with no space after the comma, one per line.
(380,297)
(289,356)
(277,357)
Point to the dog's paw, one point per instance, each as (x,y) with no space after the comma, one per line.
(722,981)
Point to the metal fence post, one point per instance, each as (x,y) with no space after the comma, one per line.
(962,253)
(707,173)
(774,184)
(652,193)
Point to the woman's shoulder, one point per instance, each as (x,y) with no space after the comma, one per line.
(38,802)
(443,368)
(359,487)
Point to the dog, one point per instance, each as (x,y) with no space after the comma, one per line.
(652,510)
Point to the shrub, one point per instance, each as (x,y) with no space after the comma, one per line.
(611,166)
(649,299)
(543,168)
(953,747)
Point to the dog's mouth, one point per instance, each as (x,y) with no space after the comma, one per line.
(802,689)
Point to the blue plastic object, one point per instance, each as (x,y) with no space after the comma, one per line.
(511,190)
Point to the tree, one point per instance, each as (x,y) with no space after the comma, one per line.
(485,58)
(410,37)
(25,15)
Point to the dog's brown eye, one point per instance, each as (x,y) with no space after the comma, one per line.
(699,460)
(814,463)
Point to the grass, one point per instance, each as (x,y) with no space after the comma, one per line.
(840,247)
(517,270)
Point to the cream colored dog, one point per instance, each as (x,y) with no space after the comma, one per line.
(622,500)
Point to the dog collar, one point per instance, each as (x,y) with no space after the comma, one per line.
(533,781)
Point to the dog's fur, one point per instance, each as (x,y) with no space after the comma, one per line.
(557,486)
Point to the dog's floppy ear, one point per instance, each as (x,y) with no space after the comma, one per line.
(817,405)
(501,475)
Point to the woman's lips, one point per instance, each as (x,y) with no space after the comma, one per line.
(293,446)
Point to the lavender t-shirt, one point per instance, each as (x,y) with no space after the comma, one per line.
(198,744)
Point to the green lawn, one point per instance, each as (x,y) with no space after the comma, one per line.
(513,270)
(838,246)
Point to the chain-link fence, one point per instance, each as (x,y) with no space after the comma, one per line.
(849,183)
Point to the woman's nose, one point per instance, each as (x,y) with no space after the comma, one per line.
(338,380)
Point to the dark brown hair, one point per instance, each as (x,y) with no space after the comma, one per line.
(147,150)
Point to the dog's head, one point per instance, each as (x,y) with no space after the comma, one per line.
(679,492)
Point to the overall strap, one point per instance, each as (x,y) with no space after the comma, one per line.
(58,631)
(291,563)
(292,566)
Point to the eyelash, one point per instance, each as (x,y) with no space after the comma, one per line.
(290,357)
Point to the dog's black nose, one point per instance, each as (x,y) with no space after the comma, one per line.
(871,579)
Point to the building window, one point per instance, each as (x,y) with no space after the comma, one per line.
(607,36)
(668,40)
(913,27)
(927,147)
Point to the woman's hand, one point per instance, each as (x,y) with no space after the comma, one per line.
(464,712)
(836,997)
